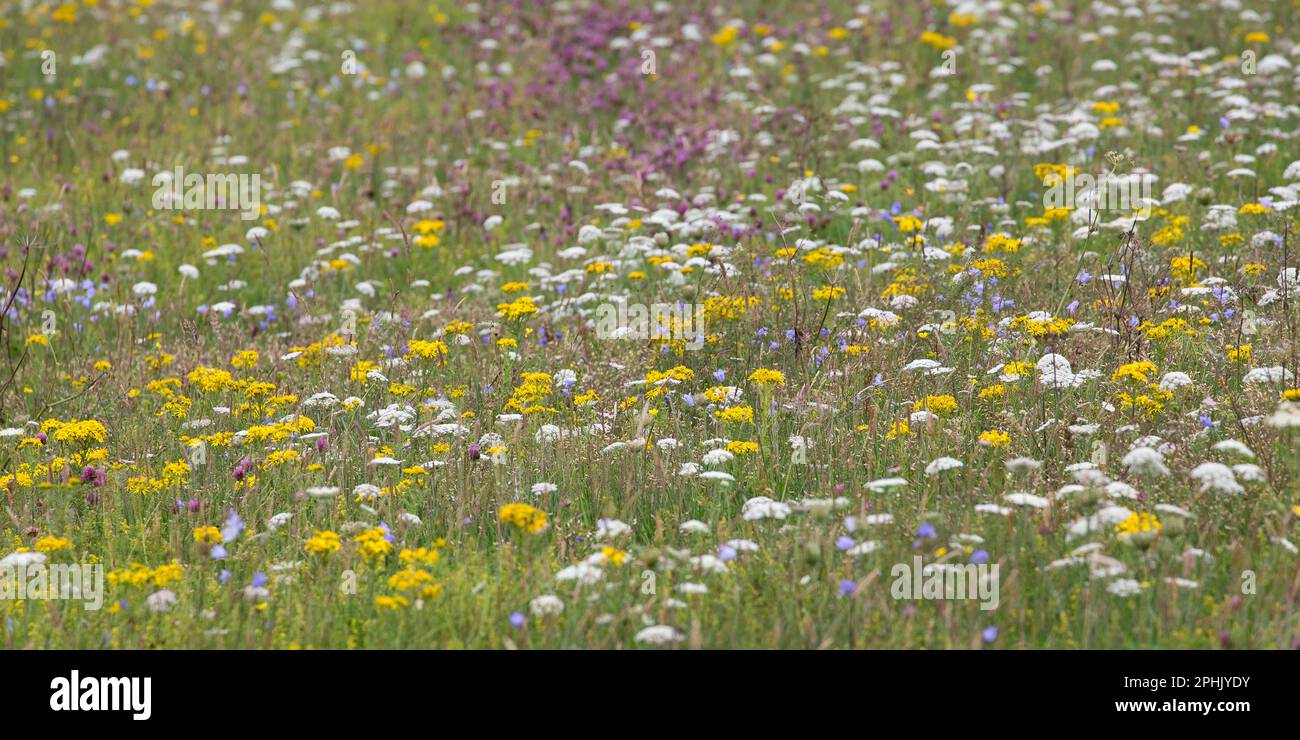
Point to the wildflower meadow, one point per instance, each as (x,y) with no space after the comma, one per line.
(605,324)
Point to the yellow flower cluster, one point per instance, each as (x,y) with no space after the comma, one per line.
(523,516)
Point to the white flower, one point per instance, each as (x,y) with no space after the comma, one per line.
(1054,371)
(717,457)
(1124,587)
(884,484)
(608,529)
(161,601)
(694,526)
(659,634)
(1106,517)
(708,563)
(941,464)
(279,520)
(688,469)
(1174,380)
(863,548)
(542,488)
(1248,472)
(1020,498)
(762,507)
(546,605)
(1286,416)
(1145,461)
(1232,445)
(1174,511)
(366,491)
(1261,375)
(584,573)
(323,491)
(1216,477)
(1022,464)
(144,288)
(1120,489)
(718,475)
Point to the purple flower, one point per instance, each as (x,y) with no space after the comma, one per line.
(517,619)
(844,542)
(259,579)
(726,553)
(847,586)
(979,557)
(234,525)
(990,633)
(926,531)
(94,476)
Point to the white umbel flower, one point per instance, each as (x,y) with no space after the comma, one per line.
(1217,477)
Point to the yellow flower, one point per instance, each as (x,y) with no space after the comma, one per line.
(373,543)
(246,358)
(1140,372)
(523,516)
(1238,354)
(425,349)
(938,40)
(726,37)
(391,602)
(208,535)
(995,438)
(50,543)
(742,448)
(763,376)
(322,543)
(80,432)
(518,308)
(1137,523)
(737,414)
(939,405)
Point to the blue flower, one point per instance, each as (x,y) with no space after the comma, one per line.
(233,526)
(990,633)
(847,586)
(517,619)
